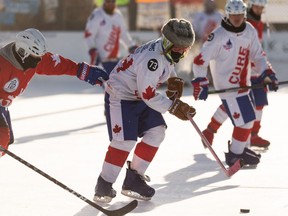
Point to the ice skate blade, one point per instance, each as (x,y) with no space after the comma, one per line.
(135,195)
(103,199)
(245,166)
(259,149)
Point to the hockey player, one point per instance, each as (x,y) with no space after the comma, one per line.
(21,60)
(229,50)
(254,13)
(134,109)
(104,31)
(204,22)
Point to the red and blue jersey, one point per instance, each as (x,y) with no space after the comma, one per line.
(14,79)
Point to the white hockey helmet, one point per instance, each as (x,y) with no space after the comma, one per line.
(235,7)
(30,42)
(262,3)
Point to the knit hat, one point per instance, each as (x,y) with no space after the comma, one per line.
(179,32)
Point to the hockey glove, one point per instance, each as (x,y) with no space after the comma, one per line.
(269,77)
(91,74)
(255,81)
(132,49)
(200,88)
(94,57)
(174,87)
(181,109)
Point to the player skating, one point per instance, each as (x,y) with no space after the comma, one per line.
(104,33)
(254,13)
(134,109)
(228,50)
(21,60)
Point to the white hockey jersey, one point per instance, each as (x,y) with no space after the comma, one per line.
(105,32)
(229,55)
(138,76)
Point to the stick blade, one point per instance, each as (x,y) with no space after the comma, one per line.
(122,211)
(235,167)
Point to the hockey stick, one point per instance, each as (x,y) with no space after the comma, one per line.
(117,212)
(228,171)
(257,86)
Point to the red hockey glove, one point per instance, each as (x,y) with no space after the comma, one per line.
(200,88)
(91,74)
(181,109)
(174,87)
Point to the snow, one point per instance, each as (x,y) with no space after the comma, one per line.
(60,128)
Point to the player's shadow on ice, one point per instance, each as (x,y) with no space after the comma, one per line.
(186,184)
(91,211)
(181,185)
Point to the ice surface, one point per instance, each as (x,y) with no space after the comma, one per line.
(60,128)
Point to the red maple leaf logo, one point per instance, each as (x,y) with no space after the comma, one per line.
(236,115)
(150,93)
(125,64)
(198,60)
(117,129)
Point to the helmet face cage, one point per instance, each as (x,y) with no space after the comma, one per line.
(168,46)
(235,7)
(30,42)
(262,3)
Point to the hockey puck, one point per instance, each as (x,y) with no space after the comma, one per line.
(244,210)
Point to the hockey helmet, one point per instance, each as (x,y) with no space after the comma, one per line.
(30,42)
(262,3)
(235,7)
(177,35)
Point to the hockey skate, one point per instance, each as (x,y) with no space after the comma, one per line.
(104,192)
(257,141)
(135,185)
(249,157)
